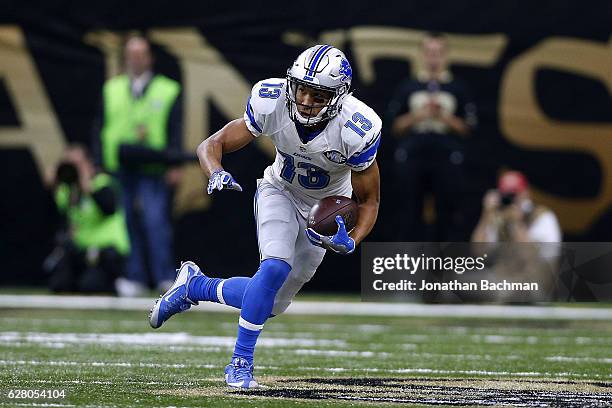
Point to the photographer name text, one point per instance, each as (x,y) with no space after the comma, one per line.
(454,285)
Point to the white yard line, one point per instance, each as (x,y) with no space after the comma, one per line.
(415,370)
(322,308)
(412,370)
(569,359)
(37,404)
(62,363)
(165,339)
(41,340)
(184,342)
(340,353)
(121,381)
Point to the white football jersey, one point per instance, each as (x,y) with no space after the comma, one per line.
(321,167)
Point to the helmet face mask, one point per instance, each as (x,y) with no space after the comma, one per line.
(323,72)
(322,105)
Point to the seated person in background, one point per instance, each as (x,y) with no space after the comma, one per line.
(509,215)
(92,245)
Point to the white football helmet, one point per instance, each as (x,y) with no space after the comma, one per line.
(321,67)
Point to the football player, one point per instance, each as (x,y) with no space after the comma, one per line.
(326,142)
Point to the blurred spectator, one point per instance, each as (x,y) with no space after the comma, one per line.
(138,136)
(510,216)
(429,116)
(93,243)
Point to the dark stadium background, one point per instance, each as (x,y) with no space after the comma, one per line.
(250,37)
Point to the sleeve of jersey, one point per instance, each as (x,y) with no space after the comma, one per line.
(362,159)
(261,104)
(253,120)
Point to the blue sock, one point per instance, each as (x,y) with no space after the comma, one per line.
(233,290)
(202,287)
(257,305)
(245,343)
(207,289)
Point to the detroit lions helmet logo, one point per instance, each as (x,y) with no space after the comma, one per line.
(345,70)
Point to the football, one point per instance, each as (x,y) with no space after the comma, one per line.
(322,216)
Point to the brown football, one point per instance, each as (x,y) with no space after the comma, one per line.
(322,216)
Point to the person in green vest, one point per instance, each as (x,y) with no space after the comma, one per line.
(93,244)
(137,136)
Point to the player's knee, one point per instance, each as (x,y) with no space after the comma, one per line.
(280,307)
(274,272)
(277,249)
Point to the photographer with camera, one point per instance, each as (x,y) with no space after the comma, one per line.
(509,214)
(530,232)
(92,244)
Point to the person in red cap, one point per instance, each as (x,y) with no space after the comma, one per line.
(509,214)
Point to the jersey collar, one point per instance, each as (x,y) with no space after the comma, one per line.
(305,135)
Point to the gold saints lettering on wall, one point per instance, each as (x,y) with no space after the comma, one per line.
(39,131)
(525,125)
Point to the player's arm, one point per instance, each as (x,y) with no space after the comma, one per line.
(238,133)
(233,136)
(366,187)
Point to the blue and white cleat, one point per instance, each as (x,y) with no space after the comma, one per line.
(239,374)
(176,299)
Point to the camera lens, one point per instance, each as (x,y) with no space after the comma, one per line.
(507,199)
(67,173)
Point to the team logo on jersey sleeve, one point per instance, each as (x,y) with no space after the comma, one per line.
(335,156)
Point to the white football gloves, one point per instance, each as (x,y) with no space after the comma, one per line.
(221,179)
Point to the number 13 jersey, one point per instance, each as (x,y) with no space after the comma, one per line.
(321,167)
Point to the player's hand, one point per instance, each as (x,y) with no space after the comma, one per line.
(221,179)
(340,243)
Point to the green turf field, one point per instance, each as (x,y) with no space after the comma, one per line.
(113,358)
